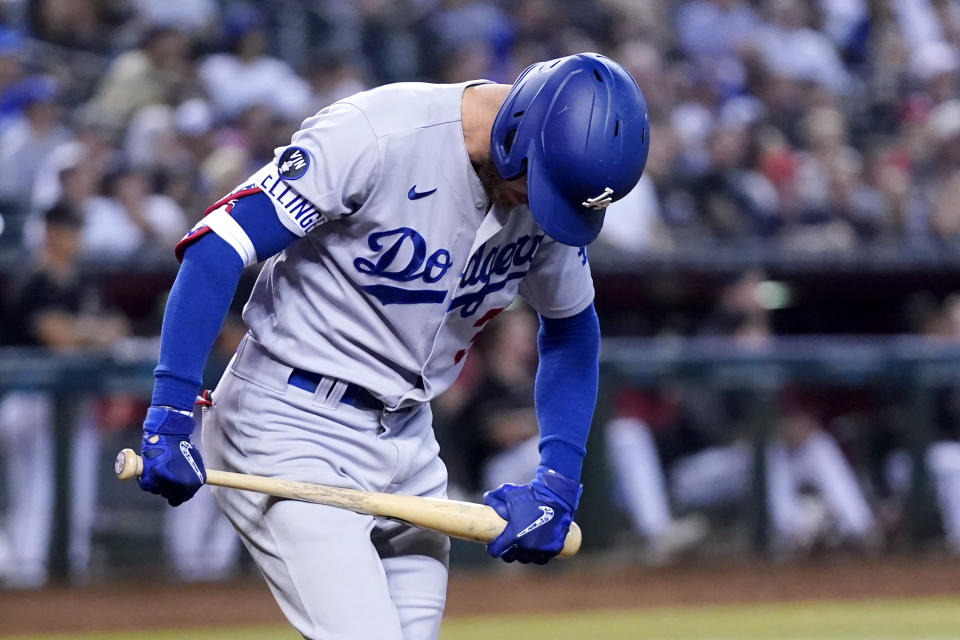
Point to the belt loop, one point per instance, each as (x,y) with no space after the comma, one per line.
(335,390)
(323,391)
(242,344)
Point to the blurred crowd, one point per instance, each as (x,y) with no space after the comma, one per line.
(815,125)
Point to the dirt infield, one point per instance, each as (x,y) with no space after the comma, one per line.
(577,586)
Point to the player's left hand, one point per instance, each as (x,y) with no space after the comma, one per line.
(172,466)
(538,517)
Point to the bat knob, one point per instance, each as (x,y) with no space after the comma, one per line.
(572,542)
(127,464)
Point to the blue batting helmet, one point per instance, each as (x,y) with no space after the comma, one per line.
(579,128)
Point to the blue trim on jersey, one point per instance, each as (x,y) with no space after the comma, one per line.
(395,295)
(566,388)
(257,217)
(198,303)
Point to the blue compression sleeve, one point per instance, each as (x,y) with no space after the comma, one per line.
(566,388)
(198,303)
(201,296)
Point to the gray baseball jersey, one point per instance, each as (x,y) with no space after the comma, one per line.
(403,258)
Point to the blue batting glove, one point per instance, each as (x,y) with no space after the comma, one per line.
(538,517)
(172,466)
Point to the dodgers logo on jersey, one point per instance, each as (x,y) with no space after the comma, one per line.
(493,269)
(391,245)
(402,256)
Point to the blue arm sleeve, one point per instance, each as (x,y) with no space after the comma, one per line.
(201,296)
(566,388)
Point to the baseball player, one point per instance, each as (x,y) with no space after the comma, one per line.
(394,226)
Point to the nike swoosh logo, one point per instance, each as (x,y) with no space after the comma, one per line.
(539,522)
(413,194)
(185,450)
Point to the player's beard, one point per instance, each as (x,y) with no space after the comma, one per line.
(506,193)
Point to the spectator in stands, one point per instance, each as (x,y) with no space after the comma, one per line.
(246,76)
(260,131)
(74,174)
(195,17)
(790,46)
(87,25)
(711,33)
(26,143)
(158,71)
(150,141)
(193,122)
(129,217)
(54,309)
(942,184)
(726,193)
(925,27)
(191,141)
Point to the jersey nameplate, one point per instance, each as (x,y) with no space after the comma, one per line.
(298,209)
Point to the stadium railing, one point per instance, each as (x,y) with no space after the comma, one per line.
(908,368)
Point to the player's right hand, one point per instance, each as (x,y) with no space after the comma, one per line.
(172,466)
(538,517)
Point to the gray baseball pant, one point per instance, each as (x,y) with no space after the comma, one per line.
(337,575)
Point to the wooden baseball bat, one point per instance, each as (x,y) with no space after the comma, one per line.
(464,520)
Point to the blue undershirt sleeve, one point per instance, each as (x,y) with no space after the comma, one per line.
(566,388)
(201,296)
(196,307)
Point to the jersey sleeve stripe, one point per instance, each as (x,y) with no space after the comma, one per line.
(230,230)
(195,234)
(240,242)
(248,191)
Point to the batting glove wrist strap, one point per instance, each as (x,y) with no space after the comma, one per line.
(168,421)
(557,487)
